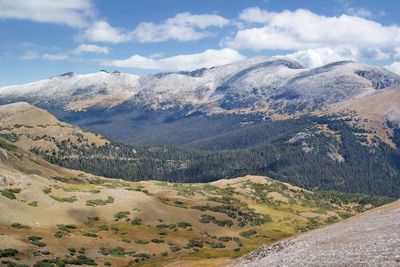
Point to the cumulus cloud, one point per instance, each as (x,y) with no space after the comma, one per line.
(101,31)
(394,67)
(302,29)
(182,27)
(74,13)
(91,48)
(208,58)
(321,56)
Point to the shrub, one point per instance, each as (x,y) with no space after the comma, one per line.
(141,242)
(81,260)
(33,204)
(89,234)
(194,243)
(166,226)
(10,192)
(66,227)
(50,262)
(157,241)
(20,226)
(121,214)
(8,252)
(174,248)
(99,202)
(117,252)
(225,238)
(47,190)
(13,264)
(103,227)
(35,240)
(248,234)
(224,223)
(183,224)
(65,199)
(136,221)
(139,255)
(6,145)
(217,245)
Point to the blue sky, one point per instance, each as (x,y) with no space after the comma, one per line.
(44,38)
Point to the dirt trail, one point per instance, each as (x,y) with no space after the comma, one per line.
(371,239)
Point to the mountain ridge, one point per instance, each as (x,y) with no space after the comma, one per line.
(279,84)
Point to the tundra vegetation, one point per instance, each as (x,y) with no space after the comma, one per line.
(250,211)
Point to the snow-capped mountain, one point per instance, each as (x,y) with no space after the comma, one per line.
(260,83)
(74,91)
(256,82)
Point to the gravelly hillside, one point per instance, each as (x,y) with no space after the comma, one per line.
(371,239)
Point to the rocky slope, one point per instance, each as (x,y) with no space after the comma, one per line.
(371,239)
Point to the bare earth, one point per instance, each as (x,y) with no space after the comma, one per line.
(371,239)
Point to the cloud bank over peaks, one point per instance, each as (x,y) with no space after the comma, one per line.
(206,59)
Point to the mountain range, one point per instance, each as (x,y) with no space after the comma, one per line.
(250,90)
(207,166)
(282,121)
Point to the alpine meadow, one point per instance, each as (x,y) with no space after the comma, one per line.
(186,133)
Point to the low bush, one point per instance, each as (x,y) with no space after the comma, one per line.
(20,226)
(248,234)
(10,192)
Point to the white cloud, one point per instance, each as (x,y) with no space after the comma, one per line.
(29,55)
(101,31)
(303,29)
(394,67)
(91,48)
(74,13)
(396,55)
(322,56)
(55,57)
(182,27)
(208,58)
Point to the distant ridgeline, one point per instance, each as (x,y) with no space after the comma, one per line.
(323,153)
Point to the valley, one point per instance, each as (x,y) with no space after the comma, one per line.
(176,133)
(111,169)
(52,215)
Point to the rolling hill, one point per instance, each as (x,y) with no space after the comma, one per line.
(284,150)
(52,215)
